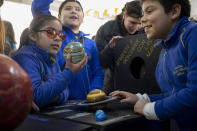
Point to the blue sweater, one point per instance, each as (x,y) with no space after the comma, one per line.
(176,75)
(47,79)
(91,76)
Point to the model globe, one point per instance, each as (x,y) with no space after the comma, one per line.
(15,94)
(76,51)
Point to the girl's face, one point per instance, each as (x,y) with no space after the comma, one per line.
(50,37)
(157,24)
(72,15)
(131,24)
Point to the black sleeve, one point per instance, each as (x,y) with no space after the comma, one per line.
(105,52)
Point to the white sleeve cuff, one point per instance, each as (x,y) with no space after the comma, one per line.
(149,111)
(144,96)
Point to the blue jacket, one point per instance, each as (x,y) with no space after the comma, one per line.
(47,79)
(176,75)
(91,76)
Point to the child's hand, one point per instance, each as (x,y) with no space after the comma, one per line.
(112,41)
(126,97)
(35,107)
(139,106)
(75,67)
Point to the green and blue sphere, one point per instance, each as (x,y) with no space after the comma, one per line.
(76,50)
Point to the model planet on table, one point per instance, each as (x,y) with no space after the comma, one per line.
(96,95)
(15,94)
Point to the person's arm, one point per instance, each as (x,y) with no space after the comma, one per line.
(40,7)
(105,52)
(98,75)
(155,97)
(107,57)
(45,92)
(100,38)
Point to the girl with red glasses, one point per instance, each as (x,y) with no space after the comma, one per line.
(38,57)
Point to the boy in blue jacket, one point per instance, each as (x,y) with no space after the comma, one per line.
(42,40)
(176,72)
(71,15)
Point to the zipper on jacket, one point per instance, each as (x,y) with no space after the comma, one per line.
(164,66)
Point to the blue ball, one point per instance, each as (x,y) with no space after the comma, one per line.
(100,115)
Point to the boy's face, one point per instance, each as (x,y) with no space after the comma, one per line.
(157,24)
(72,15)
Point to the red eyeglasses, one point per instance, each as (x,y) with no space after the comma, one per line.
(52,34)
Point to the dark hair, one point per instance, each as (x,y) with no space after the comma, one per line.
(1,2)
(93,37)
(40,21)
(132,9)
(66,1)
(167,5)
(10,42)
(36,24)
(24,39)
(9,31)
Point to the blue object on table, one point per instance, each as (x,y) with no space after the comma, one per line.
(100,115)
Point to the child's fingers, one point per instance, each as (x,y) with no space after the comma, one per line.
(68,58)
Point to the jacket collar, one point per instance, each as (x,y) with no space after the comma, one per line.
(174,31)
(67,30)
(49,59)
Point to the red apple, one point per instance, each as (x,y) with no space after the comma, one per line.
(15,94)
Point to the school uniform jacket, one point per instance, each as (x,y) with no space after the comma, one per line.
(176,74)
(47,79)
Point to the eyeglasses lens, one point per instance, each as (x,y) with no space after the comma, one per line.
(52,35)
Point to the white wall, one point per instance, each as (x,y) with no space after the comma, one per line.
(194,9)
(20,14)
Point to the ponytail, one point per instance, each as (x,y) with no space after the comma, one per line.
(24,38)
